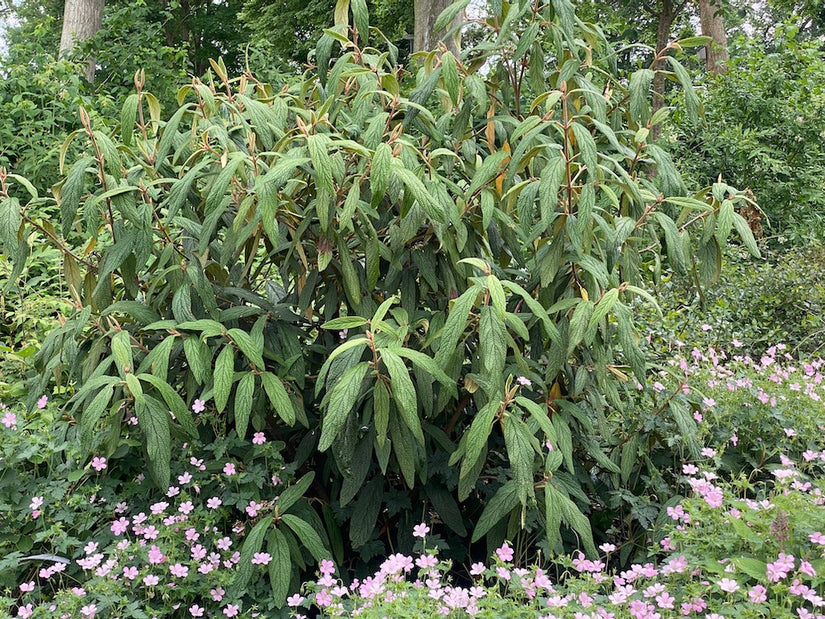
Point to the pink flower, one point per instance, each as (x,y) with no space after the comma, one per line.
(88,612)
(181,571)
(217,594)
(295,600)
(261,558)
(198,406)
(196,611)
(231,610)
(41,403)
(258,438)
(421,530)
(505,553)
(213,502)
(130,573)
(229,469)
(524,381)
(728,584)
(98,464)
(9,420)
(757,594)
(120,526)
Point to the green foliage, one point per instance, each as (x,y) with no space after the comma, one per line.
(779,300)
(471,236)
(286,32)
(763,130)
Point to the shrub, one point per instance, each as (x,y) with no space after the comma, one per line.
(416,282)
(763,130)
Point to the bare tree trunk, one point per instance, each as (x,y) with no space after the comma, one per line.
(424,37)
(81,20)
(665,18)
(713,26)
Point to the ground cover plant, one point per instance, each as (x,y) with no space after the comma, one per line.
(740,533)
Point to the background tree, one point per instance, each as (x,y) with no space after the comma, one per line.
(713,26)
(425,36)
(81,21)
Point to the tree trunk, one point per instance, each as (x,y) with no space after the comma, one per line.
(81,20)
(713,26)
(424,37)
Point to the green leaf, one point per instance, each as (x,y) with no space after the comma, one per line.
(223,376)
(447,16)
(248,347)
(403,393)
(361,17)
(603,307)
(381,411)
(575,520)
(345,322)
(519,443)
(91,416)
(341,400)
(153,420)
(492,343)
(128,114)
(293,493)
(420,193)
(639,92)
(449,73)
(309,538)
(71,193)
(380,172)
(476,437)
(455,324)
(278,397)
(752,567)
(578,324)
(280,568)
(367,506)
(10,221)
(174,402)
(252,544)
(199,358)
(122,352)
(503,502)
(358,342)
(427,364)
(209,328)
(745,233)
(244,394)
(321,161)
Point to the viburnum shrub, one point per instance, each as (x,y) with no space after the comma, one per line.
(418,282)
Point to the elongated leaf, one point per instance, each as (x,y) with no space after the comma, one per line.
(173,401)
(454,326)
(309,538)
(476,437)
(278,397)
(403,392)
(252,544)
(341,400)
(248,347)
(280,568)
(91,416)
(10,220)
(345,322)
(223,376)
(520,452)
(503,502)
(291,495)
(153,420)
(367,506)
(244,394)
